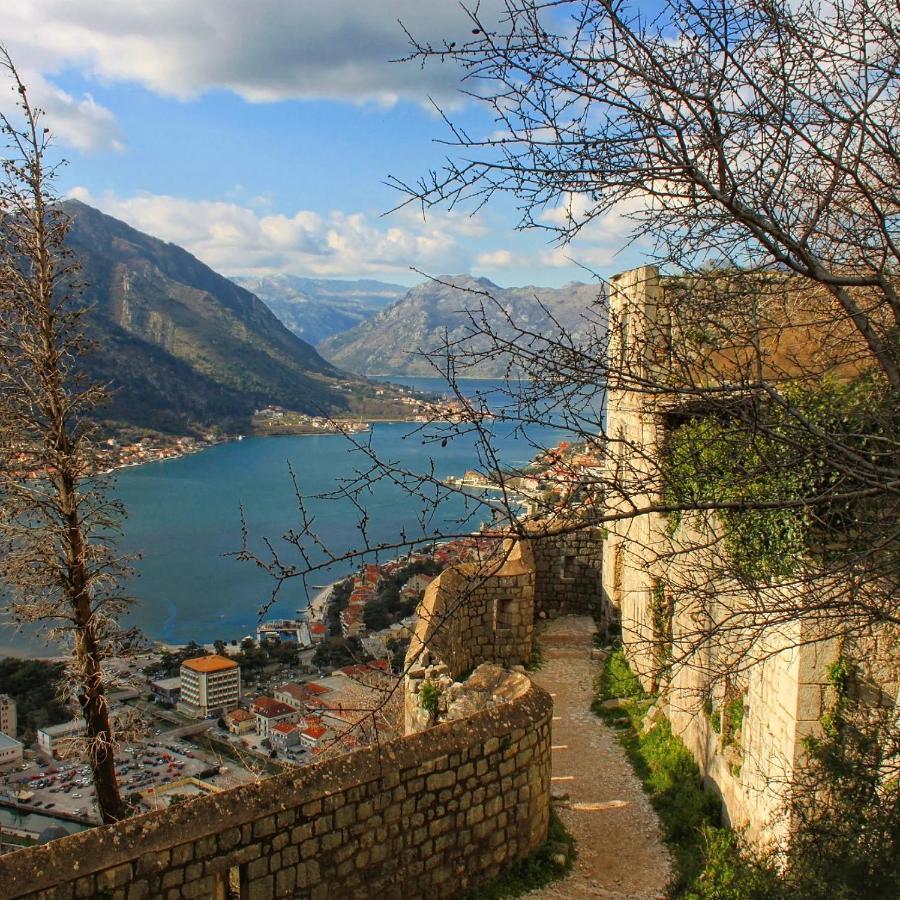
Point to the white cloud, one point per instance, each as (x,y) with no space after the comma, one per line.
(80,122)
(236,239)
(495,259)
(263,50)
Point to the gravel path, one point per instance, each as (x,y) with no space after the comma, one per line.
(597,796)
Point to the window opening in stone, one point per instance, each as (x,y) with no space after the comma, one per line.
(503,614)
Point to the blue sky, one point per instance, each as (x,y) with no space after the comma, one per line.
(259,135)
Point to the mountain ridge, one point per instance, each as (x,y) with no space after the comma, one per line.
(317,308)
(400,339)
(182,347)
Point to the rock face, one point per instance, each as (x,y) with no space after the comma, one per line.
(393,341)
(317,308)
(181,346)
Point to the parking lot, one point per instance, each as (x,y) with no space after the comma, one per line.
(66,787)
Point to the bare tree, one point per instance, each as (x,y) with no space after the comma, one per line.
(754,148)
(57,561)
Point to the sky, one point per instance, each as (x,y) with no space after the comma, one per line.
(259,135)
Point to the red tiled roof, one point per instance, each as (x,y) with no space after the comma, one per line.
(295,690)
(315,731)
(313,688)
(270,708)
(284,728)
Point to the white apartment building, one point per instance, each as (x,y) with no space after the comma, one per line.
(210,685)
(10,751)
(59,740)
(7,715)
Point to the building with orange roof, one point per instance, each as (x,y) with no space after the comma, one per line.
(270,713)
(284,735)
(240,721)
(210,686)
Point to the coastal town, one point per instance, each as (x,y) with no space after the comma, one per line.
(203,717)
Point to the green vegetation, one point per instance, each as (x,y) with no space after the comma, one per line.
(786,459)
(710,860)
(336,652)
(551,861)
(388,606)
(845,811)
(846,807)
(428,698)
(37,689)
(537,656)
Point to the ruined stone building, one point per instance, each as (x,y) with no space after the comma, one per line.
(682,624)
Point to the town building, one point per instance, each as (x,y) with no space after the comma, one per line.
(10,751)
(7,715)
(284,735)
(314,735)
(167,690)
(292,694)
(240,721)
(58,740)
(270,712)
(210,686)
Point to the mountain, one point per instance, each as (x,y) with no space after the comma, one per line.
(388,343)
(316,308)
(181,346)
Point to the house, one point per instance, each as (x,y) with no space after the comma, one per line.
(293,695)
(166,690)
(315,734)
(58,739)
(270,712)
(317,632)
(240,721)
(284,735)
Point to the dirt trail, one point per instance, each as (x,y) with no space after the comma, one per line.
(620,848)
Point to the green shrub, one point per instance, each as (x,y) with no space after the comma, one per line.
(428,698)
(617,679)
(710,861)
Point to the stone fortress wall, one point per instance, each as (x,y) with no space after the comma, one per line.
(784,682)
(435,813)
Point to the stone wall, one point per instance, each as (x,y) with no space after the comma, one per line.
(781,672)
(568,579)
(470,614)
(428,815)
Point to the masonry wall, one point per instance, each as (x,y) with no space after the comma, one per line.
(568,578)
(428,815)
(783,671)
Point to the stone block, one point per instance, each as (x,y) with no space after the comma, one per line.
(173,878)
(261,889)
(264,827)
(115,877)
(285,881)
(200,888)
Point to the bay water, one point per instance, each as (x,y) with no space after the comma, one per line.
(184,518)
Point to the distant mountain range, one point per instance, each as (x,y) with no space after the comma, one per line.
(316,308)
(183,347)
(390,342)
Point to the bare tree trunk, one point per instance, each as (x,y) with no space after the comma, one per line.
(57,563)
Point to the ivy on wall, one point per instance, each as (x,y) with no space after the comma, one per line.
(794,452)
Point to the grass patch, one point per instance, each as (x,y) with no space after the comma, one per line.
(535,871)
(710,860)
